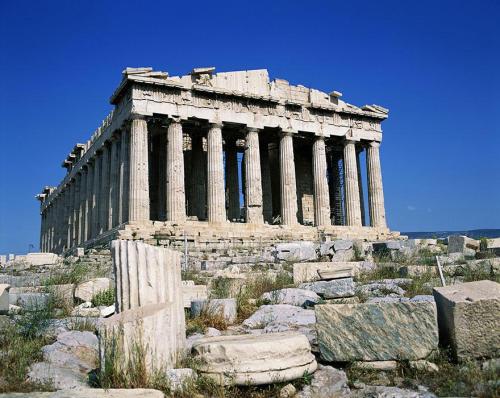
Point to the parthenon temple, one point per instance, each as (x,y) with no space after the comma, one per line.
(220,156)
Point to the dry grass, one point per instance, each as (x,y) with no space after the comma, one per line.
(209,317)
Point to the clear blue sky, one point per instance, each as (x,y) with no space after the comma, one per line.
(434,64)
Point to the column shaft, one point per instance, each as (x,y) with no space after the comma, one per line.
(175,191)
(288,185)
(88,202)
(96,194)
(81,210)
(124,177)
(69,214)
(360,184)
(321,193)
(114,182)
(104,193)
(215,175)
(253,180)
(352,205)
(138,171)
(199,176)
(232,181)
(375,188)
(76,210)
(267,195)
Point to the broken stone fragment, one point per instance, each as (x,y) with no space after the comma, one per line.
(292,296)
(335,288)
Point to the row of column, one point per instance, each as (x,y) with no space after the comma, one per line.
(113,187)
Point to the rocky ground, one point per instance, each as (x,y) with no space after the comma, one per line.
(51,313)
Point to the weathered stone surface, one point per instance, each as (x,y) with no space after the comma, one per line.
(36,259)
(193,292)
(331,289)
(86,290)
(179,377)
(326,382)
(91,393)
(392,392)
(381,288)
(469,315)
(296,251)
(280,314)
(309,272)
(292,296)
(4,298)
(226,307)
(462,244)
(29,300)
(376,332)
(248,359)
(376,365)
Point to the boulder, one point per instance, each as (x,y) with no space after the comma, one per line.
(331,289)
(380,289)
(296,251)
(462,244)
(326,382)
(226,307)
(91,393)
(469,318)
(86,290)
(254,360)
(376,332)
(4,298)
(292,296)
(280,314)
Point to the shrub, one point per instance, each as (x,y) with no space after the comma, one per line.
(209,317)
(104,297)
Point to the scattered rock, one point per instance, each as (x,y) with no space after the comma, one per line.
(376,332)
(86,290)
(178,378)
(462,244)
(310,272)
(280,314)
(212,332)
(296,251)
(331,289)
(380,289)
(292,296)
(424,365)
(389,392)
(4,298)
(288,391)
(92,393)
(376,365)
(327,382)
(107,311)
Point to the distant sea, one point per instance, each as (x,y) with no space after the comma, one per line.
(473,233)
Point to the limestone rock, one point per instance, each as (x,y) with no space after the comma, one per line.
(469,315)
(288,391)
(380,289)
(424,365)
(58,377)
(292,296)
(354,332)
(179,377)
(4,298)
(280,314)
(376,365)
(91,393)
(462,244)
(248,359)
(37,259)
(392,392)
(30,301)
(86,290)
(327,382)
(296,251)
(309,272)
(331,289)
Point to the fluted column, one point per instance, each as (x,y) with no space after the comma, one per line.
(360,184)
(69,214)
(321,194)
(288,185)
(215,175)
(337,208)
(104,193)
(89,201)
(199,176)
(232,184)
(81,209)
(175,191)
(253,180)
(352,205)
(124,176)
(138,171)
(76,210)
(375,188)
(95,194)
(267,195)
(114,182)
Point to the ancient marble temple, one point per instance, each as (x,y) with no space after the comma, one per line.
(220,156)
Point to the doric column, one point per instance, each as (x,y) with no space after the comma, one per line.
(352,205)
(253,180)
(175,191)
(95,194)
(89,201)
(104,193)
(321,194)
(337,208)
(360,184)
(215,175)
(114,182)
(232,185)
(76,210)
(288,185)
(124,176)
(267,195)
(81,210)
(47,229)
(69,214)
(199,177)
(375,189)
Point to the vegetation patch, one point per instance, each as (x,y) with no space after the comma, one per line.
(104,297)
(209,317)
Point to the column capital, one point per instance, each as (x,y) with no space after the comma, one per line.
(252,129)
(174,119)
(374,144)
(137,116)
(215,125)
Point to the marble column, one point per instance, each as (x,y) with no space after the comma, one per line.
(89,201)
(124,176)
(104,193)
(76,210)
(232,184)
(352,205)
(138,191)
(267,195)
(360,183)
(198,176)
(288,185)
(375,189)
(69,214)
(96,194)
(215,175)
(175,191)
(336,187)
(81,209)
(253,180)
(114,182)
(321,193)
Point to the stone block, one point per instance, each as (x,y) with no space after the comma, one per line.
(376,332)
(292,296)
(335,288)
(308,272)
(254,360)
(342,244)
(86,290)
(296,251)
(225,307)
(4,298)
(286,314)
(193,292)
(151,327)
(460,244)
(30,301)
(388,245)
(37,259)
(469,318)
